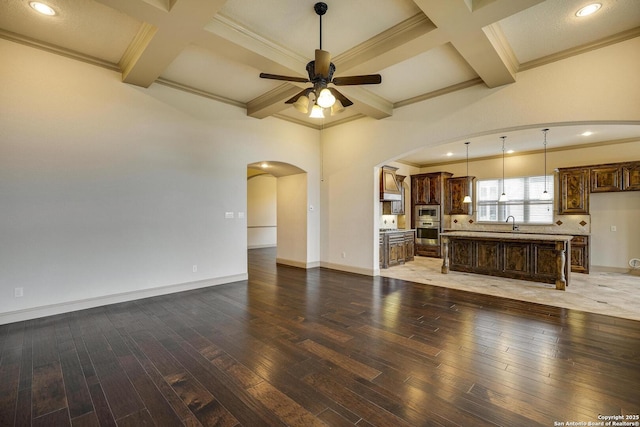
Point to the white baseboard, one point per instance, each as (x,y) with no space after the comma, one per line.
(261,246)
(66,307)
(299,264)
(605,269)
(350,269)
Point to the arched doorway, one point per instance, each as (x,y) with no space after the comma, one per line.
(277,210)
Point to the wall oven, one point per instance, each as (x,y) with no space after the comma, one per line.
(427,232)
(427,221)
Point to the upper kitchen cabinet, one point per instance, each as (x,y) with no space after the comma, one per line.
(428,188)
(395,207)
(574,190)
(631,176)
(389,189)
(457,189)
(615,177)
(606,178)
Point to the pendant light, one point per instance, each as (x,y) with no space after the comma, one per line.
(545,195)
(503,196)
(467,198)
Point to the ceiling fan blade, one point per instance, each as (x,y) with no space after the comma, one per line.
(370,79)
(285,78)
(323,62)
(298,95)
(340,97)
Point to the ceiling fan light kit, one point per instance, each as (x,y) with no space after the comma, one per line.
(320,72)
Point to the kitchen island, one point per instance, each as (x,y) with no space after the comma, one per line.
(534,257)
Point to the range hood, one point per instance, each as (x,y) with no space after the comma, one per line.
(389,187)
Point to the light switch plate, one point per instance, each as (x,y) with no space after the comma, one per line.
(228,215)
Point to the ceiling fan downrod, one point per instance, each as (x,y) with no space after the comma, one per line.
(321,9)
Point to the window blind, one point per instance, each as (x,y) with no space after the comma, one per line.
(525,202)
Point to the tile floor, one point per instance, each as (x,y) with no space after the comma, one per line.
(613,294)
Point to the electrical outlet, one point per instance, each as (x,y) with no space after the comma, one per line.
(614,228)
(344,254)
(195,268)
(18,292)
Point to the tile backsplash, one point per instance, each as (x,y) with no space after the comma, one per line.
(562,224)
(388,221)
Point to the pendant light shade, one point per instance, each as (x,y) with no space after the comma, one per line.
(503,196)
(316,112)
(326,98)
(302,104)
(467,198)
(337,108)
(545,194)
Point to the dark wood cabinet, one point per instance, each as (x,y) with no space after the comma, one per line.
(428,188)
(409,245)
(396,247)
(631,176)
(456,190)
(544,262)
(574,190)
(462,255)
(487,257)
(433,251)
(420,189)
(606,179)
(580,254)
(516,259)
(577,183)
(395,207)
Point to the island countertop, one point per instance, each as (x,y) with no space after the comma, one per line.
(516,235)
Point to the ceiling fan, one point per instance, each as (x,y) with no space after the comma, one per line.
(320,73)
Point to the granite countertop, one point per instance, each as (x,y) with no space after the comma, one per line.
(516,235)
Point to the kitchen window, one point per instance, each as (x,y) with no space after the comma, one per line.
(525,202)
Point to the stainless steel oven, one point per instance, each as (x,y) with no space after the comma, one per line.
(427,232)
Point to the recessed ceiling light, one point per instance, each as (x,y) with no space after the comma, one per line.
(509,151)
(588,9)
(42,8)
(449,154)
(587,133)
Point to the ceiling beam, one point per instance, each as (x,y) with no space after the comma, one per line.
(163,34)
(470,27)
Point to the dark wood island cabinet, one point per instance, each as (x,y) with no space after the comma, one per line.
(533,257)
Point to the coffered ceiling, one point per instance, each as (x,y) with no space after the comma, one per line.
(217,48)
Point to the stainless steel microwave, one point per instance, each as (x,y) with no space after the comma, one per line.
(428,212)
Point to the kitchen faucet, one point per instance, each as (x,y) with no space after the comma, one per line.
(515,227)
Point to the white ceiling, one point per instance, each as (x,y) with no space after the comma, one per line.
(422,48)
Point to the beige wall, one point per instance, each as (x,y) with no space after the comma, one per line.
(292,220)
(112,192)
(262,216)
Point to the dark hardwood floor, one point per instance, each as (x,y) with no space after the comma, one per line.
(319,347)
